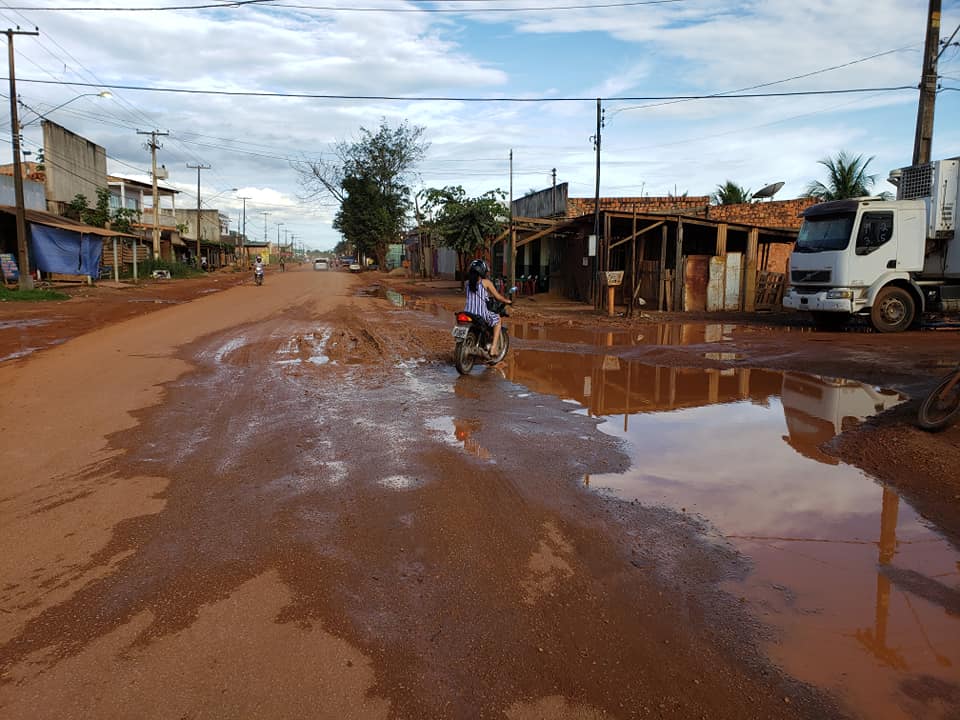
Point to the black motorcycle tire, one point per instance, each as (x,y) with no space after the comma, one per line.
(504,346)
(464,353)
(258,279)
(935,412)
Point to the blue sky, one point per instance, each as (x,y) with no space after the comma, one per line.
(408,49)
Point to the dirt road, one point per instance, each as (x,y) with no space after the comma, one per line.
(283,502)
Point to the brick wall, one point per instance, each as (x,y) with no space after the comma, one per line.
(775,214)
(577,207)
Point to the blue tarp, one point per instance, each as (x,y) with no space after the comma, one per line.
(65,251)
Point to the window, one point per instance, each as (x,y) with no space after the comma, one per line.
(825,232)
(876,230)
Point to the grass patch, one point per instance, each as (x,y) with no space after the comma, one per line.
(36,295)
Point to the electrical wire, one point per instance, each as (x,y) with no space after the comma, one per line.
(332,8)
(440,98)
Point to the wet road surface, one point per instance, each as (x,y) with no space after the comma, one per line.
(312,515)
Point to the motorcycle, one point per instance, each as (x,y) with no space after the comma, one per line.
(474,336)
(258,275)
(942,405)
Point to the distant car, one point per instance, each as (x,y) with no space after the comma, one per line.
(355,267)
(321,264)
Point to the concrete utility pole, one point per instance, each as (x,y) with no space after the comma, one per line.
(23,253)
(279,247)
(265,213)
(198,167)
(154,146)
(928,87)
(243,230)
(512,255)
(596,206)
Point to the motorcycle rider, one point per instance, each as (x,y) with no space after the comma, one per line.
(258,266)
(479,289)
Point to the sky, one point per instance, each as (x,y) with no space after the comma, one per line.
(482,77)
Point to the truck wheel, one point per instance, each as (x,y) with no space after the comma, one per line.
(893,310)
(830,321)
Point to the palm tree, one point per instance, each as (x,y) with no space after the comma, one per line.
(847,178)
(730,194)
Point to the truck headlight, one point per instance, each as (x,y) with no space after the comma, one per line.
(840,294)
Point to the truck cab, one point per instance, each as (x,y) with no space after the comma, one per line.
(886,259)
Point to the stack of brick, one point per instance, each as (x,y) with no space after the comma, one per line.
(577,207)
(774,214)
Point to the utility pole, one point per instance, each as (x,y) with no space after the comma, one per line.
(928,87)
(198,167)
(154,146)
(243,230)
(265,213)
(554,174)
(279,248)
(512,256)
(596,206)
(23,253)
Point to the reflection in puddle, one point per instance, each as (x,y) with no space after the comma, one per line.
(460,431)
(864,593)
(653,334)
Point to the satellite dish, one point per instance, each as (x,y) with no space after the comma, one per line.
(768,191)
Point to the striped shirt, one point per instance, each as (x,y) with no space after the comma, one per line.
(477,303)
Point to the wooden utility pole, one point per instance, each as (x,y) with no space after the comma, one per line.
(23,253)
(928,87)
(198,167)
(154,145)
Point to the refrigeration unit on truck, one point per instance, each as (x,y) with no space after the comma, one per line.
(891,260)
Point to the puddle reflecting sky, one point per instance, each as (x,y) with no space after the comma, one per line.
(865,595)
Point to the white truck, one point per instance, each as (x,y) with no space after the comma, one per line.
(889,259)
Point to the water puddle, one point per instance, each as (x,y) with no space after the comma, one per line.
(864,594)
(460,432)
(23,323)
(653,334)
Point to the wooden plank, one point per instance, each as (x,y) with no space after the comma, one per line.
(678,269)
(750,271)
(721,239)
(543,233)
(663,268)
(636,234)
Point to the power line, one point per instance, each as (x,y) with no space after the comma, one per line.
(332,8)
(441,98)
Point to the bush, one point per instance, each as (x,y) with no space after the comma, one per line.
(146,267)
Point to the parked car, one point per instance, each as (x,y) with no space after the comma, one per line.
(321,264)
(355,267)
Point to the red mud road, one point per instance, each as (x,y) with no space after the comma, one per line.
(282,502)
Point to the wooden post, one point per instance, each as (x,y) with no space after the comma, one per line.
(678,270)
(722,240)
(611,290)
(663,269)
(633,264)
(750,271)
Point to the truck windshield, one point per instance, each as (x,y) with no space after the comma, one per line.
(825,232)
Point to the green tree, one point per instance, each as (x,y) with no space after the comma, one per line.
(730,194)
(847,177)
(375,167)
(464,223)
(121,219)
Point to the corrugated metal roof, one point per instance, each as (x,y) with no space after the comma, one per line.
(50,220)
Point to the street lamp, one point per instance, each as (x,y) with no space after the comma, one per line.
(105,94)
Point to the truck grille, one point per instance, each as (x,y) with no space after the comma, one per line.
(915,182)
(810,276)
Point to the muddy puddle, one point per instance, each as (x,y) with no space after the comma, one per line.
(862,594)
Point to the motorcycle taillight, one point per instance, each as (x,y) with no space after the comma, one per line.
(463,318)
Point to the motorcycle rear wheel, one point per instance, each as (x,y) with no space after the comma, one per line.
(938,409)
(464,354)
